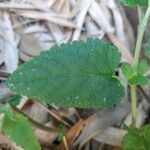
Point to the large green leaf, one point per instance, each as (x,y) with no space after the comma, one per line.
(75,75)
(137,139)
(132,3)
(20,131)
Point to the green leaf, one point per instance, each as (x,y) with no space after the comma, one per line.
(137,139)
(142,66)
(73,75)
(138,80)
(126,127)
(20,131)
(61,131)
(133,3)
(6,109)
(127,70)
(135,75)
(147,49)
(14,100)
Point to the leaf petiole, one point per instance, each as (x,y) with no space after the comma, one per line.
(141,31)
(142,27)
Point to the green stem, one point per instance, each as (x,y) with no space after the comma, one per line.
(142,27)
(140,14)
(140,36)
(133,104)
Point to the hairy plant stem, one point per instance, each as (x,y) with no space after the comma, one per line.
(133,104)
(142,28)
(141,31)
(140,14)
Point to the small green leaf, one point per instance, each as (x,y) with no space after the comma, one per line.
(138,80)
(6,109)
(14,100)
(147,49)
(127,70)
(20,131)
(142,66)
(135,74)
(79,74)
(61,131)
(133,3)
(137,139)
(126,127)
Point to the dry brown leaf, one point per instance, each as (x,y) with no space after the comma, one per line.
(80,18)
(5,143)
(96,13)
(104,118)
(41,5)
(56,32)
(8,6)
(24,56)
(59,5)
(35,39)
(74,132)
(118,21)
(46,138)
(126,55)
(10,47)
(141,116)
(112,136)
(29,45)
(35,111)
(46,16)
